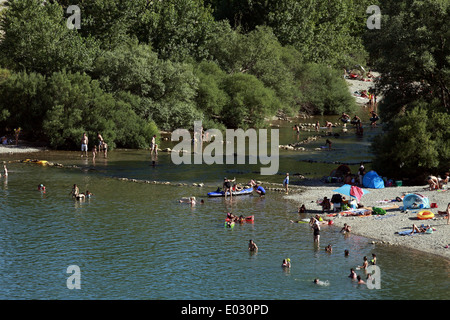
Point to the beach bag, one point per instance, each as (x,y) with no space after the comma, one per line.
(379,211)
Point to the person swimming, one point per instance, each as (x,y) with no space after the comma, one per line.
(321,283)
(286,263)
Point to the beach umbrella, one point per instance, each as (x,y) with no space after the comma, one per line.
(351,191)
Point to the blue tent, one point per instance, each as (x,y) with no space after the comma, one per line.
(415,201)
(372,180)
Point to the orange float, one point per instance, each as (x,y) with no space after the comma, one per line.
(425,214)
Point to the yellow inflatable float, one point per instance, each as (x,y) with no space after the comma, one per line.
(425,214)
(41,162)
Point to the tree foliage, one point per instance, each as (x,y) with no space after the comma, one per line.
(36,39)
(167,63)
(412,51)
(417,144)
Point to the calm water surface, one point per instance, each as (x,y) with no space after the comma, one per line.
(136,241)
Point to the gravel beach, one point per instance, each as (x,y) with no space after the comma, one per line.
(11,149)
(384,228)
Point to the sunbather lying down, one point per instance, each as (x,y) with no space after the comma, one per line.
(422,229)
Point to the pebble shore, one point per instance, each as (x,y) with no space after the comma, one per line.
(383,229)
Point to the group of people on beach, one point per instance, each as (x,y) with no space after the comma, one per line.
(436,183)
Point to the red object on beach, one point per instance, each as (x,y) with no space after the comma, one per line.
(433,205)
(356,192)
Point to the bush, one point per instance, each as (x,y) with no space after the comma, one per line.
(415,145)
(324,91)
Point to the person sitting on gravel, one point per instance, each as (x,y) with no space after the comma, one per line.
(443,181)
(433,182)
(326,204)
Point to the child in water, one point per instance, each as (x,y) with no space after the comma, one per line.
(286,263)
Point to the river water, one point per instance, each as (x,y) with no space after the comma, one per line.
(136,241)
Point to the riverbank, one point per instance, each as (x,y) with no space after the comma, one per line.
(12,149)
(383,229)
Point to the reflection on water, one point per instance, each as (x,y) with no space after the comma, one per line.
(136,241)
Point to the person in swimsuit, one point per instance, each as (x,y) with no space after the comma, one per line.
(286,263)
(373,119)
(75,191)
(227,187)
(100,141)
(84,145)
(252,246)
(433,182)
(443,181)
(365,264)
(374,259)
(153,145)
(328,142)
(286,183)
(345,118)
(346,228)
(316,231)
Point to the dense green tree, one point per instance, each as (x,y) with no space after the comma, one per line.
(60,107)
(176,29)
(167,89)
(36,38)
(22,101)
(323,31)
(412,51)
(210,98)
(323,90)
(250,101)
(416,146)
(78,105)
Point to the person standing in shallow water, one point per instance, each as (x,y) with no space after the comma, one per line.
(286,183)
(252,247)
(84,145)
(316,231)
